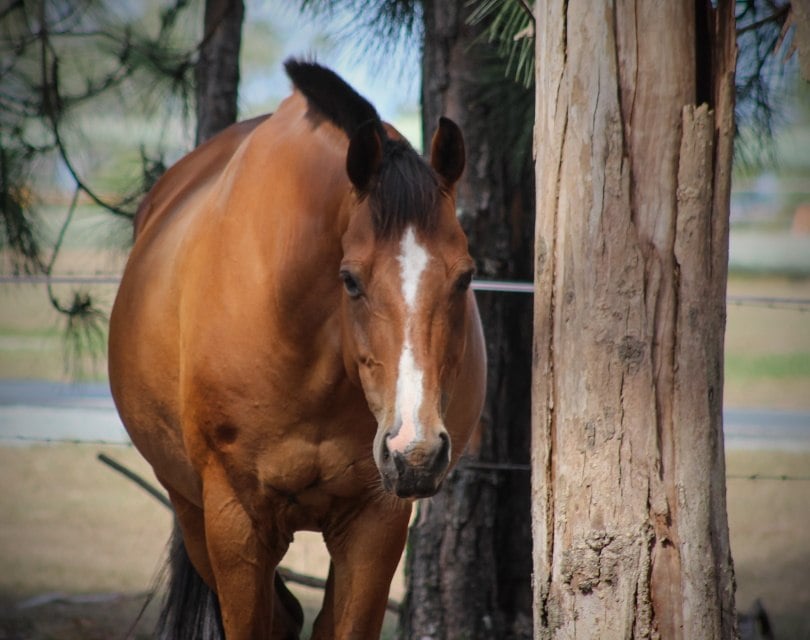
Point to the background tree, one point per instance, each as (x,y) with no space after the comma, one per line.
(635,123)
(217,69)
(476,531)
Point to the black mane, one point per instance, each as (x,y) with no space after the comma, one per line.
(327,92)
(406,189)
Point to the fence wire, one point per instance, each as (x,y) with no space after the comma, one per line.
(464,465)
(496,286)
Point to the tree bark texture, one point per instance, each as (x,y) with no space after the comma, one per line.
(633,139)
(217,70)
(468,565)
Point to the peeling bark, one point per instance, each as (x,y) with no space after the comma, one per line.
(631,534)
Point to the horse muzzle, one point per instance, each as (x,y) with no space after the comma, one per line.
(417,470)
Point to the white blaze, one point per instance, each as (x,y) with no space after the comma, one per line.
(413,260)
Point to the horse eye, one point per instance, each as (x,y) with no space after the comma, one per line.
(351,284)
(464,280)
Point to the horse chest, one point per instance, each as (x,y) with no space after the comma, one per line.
(298,478)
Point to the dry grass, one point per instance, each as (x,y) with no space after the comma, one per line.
(70,524)
(769,524)
(768,349)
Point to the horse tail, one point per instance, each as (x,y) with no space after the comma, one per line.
(190,608)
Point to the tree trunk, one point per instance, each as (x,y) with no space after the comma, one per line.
(217,70)
(469,555)
(633,131)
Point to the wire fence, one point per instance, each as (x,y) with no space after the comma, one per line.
(68,279)
(464,465)
(497,286)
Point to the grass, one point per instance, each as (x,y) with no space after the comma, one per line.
(773,365)
(767,349)
(71,524)
(769,522)
(32,343)
(776,252)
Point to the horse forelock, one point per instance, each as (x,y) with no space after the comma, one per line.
(405,192)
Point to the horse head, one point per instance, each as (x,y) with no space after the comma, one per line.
(406,273)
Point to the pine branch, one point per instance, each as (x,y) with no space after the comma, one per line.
(52,106)
(47,73)
(778,17)
(57,246)
(527,9)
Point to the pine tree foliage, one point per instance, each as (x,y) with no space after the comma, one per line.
(63,64)
(510,27)
(381,24)
(763,37)
(59,57)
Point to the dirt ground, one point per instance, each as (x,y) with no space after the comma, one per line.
(769,524)
(80,545)
(75,621)
(107,616)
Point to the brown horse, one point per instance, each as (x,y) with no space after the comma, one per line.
(294,346)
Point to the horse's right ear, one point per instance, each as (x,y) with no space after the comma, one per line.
(365,155)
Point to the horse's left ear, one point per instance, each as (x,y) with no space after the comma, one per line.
(447,156)
(365,155)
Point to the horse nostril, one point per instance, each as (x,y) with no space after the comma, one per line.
(444,448)
(399,462)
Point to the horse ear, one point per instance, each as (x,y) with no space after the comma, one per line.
(365,155)
(447,155)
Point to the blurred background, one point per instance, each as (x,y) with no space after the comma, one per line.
(80,545)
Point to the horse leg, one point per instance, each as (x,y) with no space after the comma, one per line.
(190,517)
(243,565)
(365,549)
(324,624)
(190,607)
